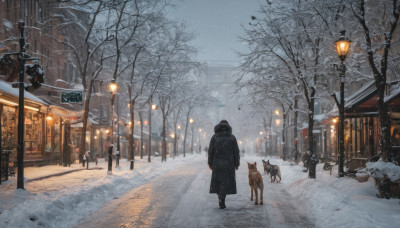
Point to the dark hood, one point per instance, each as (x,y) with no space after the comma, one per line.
(223,126)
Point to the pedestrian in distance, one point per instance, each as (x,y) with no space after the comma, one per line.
(83,161)
(87,156)
(223,160)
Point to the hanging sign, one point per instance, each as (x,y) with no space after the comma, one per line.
(71,97)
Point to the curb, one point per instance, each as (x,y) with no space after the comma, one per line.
(60,174)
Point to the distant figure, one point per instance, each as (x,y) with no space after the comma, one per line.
(223,159)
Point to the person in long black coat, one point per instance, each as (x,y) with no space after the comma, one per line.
(223,159)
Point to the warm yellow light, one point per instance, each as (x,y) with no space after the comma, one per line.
(49,118)
(16,104)
(113,87)
(200,129)
(154,107)
(130,123)
(261,132)
(278,122)
(342,45)
(335,120)
(172,135)
(107,131)
(240,142)
(277,112)
(146,122)
(97,131)
(95,137)
(179,127)
(191,120)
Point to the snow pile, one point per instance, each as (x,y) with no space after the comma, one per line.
(381,169)
(340,202)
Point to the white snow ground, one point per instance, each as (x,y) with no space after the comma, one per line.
(65,200)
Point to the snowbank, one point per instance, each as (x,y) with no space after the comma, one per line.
(63,201)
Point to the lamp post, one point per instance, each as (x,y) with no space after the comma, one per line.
(151,107)
(342,49)
(191,121)
(113,89)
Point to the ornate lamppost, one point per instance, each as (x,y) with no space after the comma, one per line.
(342,49)
(113,89)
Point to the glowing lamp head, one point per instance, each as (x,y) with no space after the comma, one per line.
(191,120)
(113,86)
(261,132)
(179,127)
(154,107)
(278,122)
(49,118)
(342,45)
(334,120)
(277,112)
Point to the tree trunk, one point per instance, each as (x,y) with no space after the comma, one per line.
(310,150)
(184,137)
(85,120)
(141,135)
(385,126)
(175,140)
(164,141)
(132,129)
(296,154)
(283,137)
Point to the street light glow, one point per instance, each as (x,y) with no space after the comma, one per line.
(191,120)
(342,45)
(277,112)
(113,86)
(154,107)
(278,122)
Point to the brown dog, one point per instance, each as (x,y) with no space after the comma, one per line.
(255,182)
(273,170)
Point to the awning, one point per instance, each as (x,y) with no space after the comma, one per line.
(365,99)
(10,96)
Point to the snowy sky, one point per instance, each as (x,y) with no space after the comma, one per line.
(217,24)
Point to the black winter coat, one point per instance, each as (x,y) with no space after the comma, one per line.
(223,157)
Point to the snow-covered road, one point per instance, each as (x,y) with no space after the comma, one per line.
(180,198)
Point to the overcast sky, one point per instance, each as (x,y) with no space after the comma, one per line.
(217,25)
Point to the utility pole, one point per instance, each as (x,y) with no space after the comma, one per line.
(21,119)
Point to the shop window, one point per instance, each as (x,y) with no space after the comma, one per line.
(396,133)
(52,133)
(8,129)
(33,132)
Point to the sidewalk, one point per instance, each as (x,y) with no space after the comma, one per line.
(64,195)
(52,178)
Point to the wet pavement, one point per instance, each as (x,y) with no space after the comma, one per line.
(180,198)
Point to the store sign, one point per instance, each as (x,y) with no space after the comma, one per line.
(71,97)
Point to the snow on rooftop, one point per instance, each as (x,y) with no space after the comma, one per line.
(7,88)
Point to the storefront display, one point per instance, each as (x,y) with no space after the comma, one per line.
(33,132)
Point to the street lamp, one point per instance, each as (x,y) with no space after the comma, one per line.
(113,89)
(342,49)
(151,107)
(192,121)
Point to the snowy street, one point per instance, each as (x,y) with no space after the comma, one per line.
(180,198)
(175,194)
